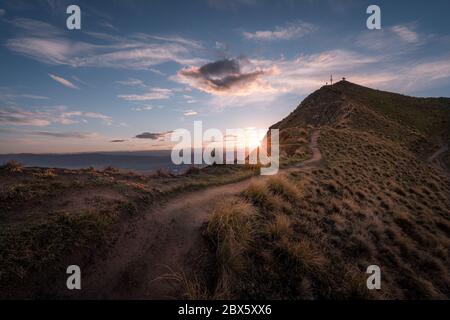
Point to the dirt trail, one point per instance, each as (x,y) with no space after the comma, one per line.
(165,239)
(314,146)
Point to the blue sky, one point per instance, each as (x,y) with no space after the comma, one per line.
(150,67)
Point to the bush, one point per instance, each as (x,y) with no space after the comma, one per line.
(13,166)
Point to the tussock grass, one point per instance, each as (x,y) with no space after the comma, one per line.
(259,195)
(304,255)
(232,230)
(280,227)
(192,288)
(12,166)
(281,186)
(375,203)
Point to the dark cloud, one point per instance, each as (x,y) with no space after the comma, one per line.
(223,76)
(118,141)
(220,68)
(153,136)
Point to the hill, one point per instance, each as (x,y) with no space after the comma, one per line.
(375,199)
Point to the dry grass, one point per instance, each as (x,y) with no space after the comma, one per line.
(375,203)
(232,230)
(12,166)
(192,288)
(51,215)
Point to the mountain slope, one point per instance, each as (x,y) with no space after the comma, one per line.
(420,124)
(375,200)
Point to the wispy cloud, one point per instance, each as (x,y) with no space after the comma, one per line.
(17,116)
(153,94)
(34,97)
(132,82)
(67,135)
(94,115)
(10,96)
(406,33)
(397,39)
(48,44)
(2,12)
(35,27)
(189,113)
(142,108)
(46,116)
(63,81)
(293,30)
(107,25)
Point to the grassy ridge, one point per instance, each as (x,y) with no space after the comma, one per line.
(375,200)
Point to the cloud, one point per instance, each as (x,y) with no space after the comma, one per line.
(35,27)
(405,33)
(309,72)
(398,39)
(107,25)
(47,116)
(293,30)
(65,135)
(63,81)
(118,141)
(16,116)
(104,118)
(142,108)
(224,77)
(10,95)
(2,12)
(189,113)
(34,97)
(153,136)
(45,43)
(132,82)
(153,94)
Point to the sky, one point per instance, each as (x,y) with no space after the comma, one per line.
(139,69)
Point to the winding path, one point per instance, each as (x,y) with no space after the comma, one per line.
(167,238)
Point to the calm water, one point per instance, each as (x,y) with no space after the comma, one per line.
(144,161)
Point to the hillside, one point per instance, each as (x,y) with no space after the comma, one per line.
(375,199)
(420,124)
